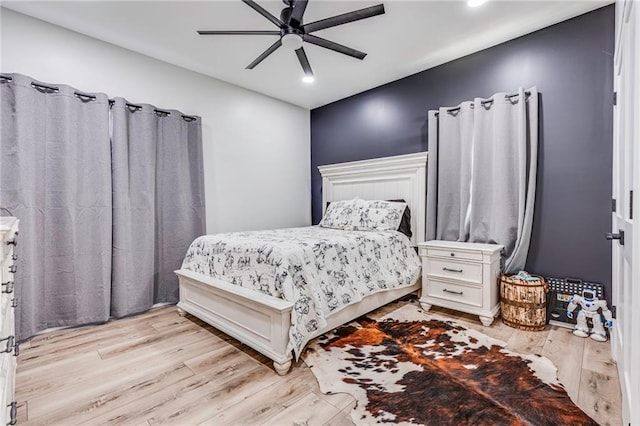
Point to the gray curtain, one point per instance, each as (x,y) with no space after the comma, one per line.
(55,175)
(158,202)
(103,223)
(432,174)
(500,176)
(454,172)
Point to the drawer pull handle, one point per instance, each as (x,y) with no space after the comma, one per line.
(11,340)
(13,268)
(459,293)
(13,242)
(453,254)
(13,413)
(14,257)
(451,270)
(14,302)
(9,289)
(12,345)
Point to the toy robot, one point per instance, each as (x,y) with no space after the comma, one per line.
(590,305)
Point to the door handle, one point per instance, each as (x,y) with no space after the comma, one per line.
(619,236)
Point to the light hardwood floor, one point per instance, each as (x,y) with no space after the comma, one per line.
(159,367)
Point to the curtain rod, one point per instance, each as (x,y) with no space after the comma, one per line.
(131,106)
(84,97)
(488,101)
(88,97)
(161,113)
(44,88)
(134,107)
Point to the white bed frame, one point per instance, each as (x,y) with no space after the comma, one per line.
(262,321)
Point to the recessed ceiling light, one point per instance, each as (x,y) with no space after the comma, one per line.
(308,79)
(475,3)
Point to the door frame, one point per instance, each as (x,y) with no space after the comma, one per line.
(626,336)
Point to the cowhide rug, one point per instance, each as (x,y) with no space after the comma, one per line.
(412,368)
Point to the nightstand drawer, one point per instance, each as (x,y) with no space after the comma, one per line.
(454,254)
(464,271)
(460,293)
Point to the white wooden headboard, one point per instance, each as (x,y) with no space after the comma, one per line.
(398,177)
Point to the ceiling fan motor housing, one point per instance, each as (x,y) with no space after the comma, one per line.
(293,33)
(285,14)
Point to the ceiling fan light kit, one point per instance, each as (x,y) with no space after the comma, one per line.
(293,32)
(292,41)
(475,3)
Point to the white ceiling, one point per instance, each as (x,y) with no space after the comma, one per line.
(410,37)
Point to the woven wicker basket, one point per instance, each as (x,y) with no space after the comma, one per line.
(523,304)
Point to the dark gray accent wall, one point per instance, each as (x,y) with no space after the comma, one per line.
(571,63)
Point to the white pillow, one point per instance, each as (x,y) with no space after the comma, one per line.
(361,215)
(379,215)
(342,214)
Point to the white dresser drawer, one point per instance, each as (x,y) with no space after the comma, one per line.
(454,254)
(5,255)
(8,240)
(456,292)
(5,367)
(8,319)
(446,268)
(8,383)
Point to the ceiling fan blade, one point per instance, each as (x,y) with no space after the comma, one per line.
(240,32)
(302,57)
(345,18)
(299,7)
(318,41)
(255,6)
(264,54)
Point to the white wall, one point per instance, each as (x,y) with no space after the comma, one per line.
(256,148)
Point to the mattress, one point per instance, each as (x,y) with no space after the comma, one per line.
(319,270)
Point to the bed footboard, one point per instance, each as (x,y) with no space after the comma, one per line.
(257,320)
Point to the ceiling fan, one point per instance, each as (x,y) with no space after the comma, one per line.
(293,32)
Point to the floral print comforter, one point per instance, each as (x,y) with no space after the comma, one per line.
(319,270)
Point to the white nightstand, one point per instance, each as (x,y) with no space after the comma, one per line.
(461,276)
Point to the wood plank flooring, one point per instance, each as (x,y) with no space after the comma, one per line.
(160,368)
